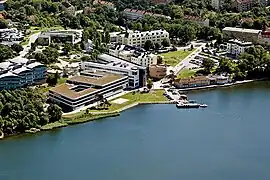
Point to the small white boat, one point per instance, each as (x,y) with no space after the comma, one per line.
(187,105)
(203,105)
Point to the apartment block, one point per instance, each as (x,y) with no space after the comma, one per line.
(249,35)
(68,8)
(10,36)
(19,73)
(236,47)
(133,54)
(137,38)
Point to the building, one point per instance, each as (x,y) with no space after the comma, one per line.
(219,79)
(83,90)
(157,72)
(192,82)
(135,14)
(68,8)
(61,36)
(104,3)
(251,35)
(160,1)
(197,20)
(10,36)
(133,54)
(265,35)
(137,38)
(17,75)
(2,2)
(236,47)
(216,4)
(110,64)
(246,5)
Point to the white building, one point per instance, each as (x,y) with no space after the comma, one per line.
(62,36)
(137,38)
(80,91)
(236,47)
(134,54)
(216,4)
(110,64)
(12,35)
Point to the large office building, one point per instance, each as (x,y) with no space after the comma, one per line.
(110,64)
(133,54)
(137,38)
(83,90)
(251,35)
(236,47)
(61,36)
(19,73)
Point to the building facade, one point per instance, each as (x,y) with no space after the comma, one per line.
(83,90)
(236,47)
(192,82)
(133,54)
(216,4)
(61,36)
(197,20)
(135,14)
(12,35)
(22,75)
(2,7)
(249,35)
(68,8)
(157,72)
(137,38)
(246,5)
(110,64)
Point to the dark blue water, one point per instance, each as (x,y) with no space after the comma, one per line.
(227,140)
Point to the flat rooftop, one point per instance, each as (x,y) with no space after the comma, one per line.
(67,91)
(84,84)
(241,30)
(97,81)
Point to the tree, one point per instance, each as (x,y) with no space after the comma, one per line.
(107,37)
(157,46)
(3,24)
(52,79)
(149,83)
(159,60)
(148,45)
(165,42)
(40,57)
(5,52)
(16,47)
(208,64)
(55,113)
(67,48)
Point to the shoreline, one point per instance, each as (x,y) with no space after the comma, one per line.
(221,86)
(93,116)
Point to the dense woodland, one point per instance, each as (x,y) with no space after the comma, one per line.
(22,109)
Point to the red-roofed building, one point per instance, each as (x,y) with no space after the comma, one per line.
(106,3)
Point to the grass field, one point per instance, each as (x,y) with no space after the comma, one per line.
(173,58)
(152,96)
(186,73)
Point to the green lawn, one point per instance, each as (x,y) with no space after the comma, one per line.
(152,96)
(173,58)
(186,73)
(61,80)
(36,30)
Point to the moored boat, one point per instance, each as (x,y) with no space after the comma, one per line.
(187,105)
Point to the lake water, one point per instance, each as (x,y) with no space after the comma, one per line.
(227,140)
